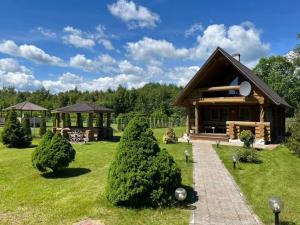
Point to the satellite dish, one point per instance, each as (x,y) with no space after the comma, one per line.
(245,88)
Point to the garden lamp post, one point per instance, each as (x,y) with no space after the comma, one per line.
(180,194)
(186,154)
(218,143)
(276,205)
(234,161)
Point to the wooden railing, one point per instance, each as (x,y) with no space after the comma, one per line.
(262,129)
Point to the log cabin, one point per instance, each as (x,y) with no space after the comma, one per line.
(225,97)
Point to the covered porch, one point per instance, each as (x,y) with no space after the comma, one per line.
(226,121)
(92,131)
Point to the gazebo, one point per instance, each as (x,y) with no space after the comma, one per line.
(28,107)
(102,132)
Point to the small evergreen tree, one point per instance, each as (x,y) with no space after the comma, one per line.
(142,174)
(26,126)
(247,137)
(13,134)
(54,152)
(43,126)
(293,142)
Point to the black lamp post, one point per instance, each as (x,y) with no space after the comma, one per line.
(234,161)
(276,205)
(186,154)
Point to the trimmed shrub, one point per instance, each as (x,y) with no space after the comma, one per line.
(293,142)
(141,174)
(13,134)
(26,126)
(43,126)
(248,155)
(170,137)
(54,152)
(247,137)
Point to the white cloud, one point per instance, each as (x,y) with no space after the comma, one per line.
(67,81)
(127,68)
(87,40)
(134,15)
(29,52)
(193,29)
(75,37)
(244,39)
(46,32)
(182,75)
(151,50)
(103,63)
(16,75)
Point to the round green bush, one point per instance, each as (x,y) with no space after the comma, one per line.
(141,174)
(248,155)
(247,137)
(54,152)
(13,134)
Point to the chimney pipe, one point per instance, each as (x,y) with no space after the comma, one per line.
(237,56)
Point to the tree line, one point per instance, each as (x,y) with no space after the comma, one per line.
(150,98)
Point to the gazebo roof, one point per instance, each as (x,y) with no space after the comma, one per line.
(83,107)
(26,106)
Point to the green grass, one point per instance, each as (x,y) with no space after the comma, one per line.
(277,175)
(26,197)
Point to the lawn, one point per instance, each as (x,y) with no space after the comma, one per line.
(26,197)
(277,175)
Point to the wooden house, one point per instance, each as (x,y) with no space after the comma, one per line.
(225,97)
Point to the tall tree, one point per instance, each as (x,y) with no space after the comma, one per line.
(279,73)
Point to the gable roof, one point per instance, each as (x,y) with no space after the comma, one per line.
(26,106)
(245,71)
(83,107)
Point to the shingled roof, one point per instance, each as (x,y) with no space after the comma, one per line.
(245,71)
(26,106)
(83,107)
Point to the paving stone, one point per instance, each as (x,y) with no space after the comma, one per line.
(220,201)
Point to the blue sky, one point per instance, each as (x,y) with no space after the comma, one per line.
(102,44)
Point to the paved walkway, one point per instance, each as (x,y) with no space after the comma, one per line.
(220,201)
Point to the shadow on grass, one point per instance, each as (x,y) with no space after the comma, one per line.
(113,139)
(66,173)
(287,223)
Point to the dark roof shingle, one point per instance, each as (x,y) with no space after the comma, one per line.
(83,107)
(26,106)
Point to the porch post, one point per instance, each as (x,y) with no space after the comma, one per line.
(90,120)
(196,119)
(108,120)
(57,115)
(78,122)
(63,117)
(187,122)
(100,120)
(262,114)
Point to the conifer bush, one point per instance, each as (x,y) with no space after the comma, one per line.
(170,136)
(13,134)
(54,152)
(43,126)
(247,137)
(26,126)
(293,142)
(141,174)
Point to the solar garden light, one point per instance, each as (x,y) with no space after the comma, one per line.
(234,161)
(218,143)
(188,139)
(180,194)
(186,154)
(276,205)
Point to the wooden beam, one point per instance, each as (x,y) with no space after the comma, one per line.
(262,114)
(196,119)
(219,88)
(225,100)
